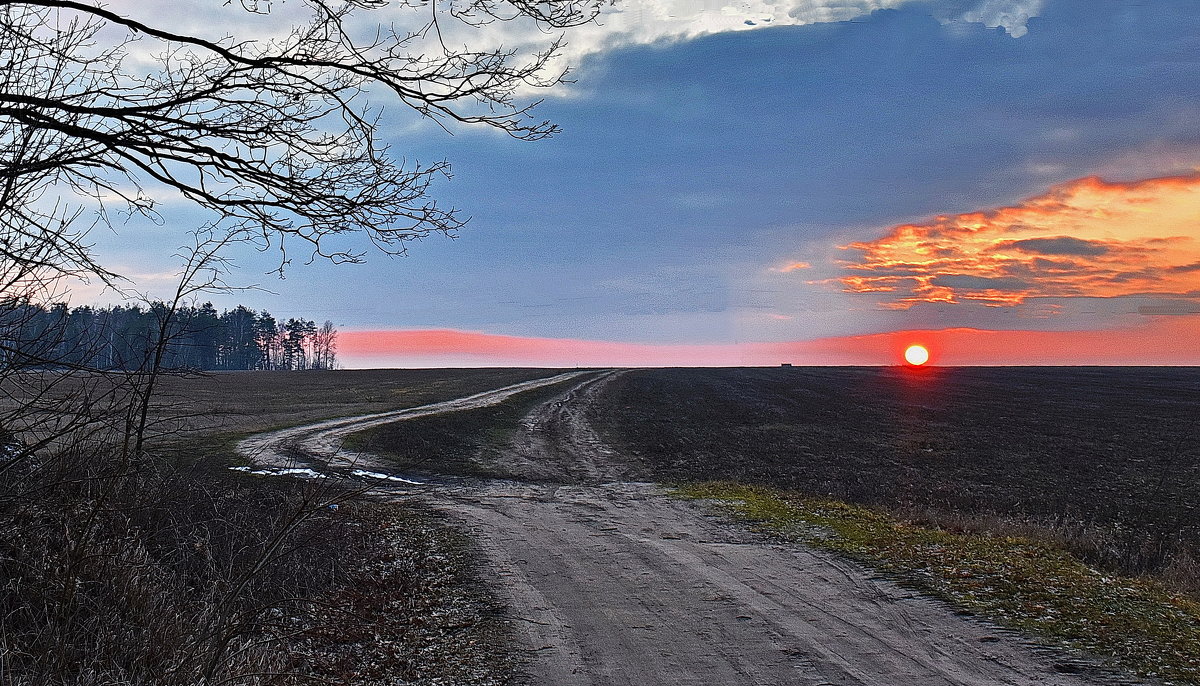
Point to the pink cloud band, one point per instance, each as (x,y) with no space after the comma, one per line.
(1159,340)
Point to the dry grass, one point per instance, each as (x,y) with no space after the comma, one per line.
(122,573)
(1018,582)
(173,570)
(229,404)
(176,578)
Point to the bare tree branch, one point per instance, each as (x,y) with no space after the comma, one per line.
(275,137)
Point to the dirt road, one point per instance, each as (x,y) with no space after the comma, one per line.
(294,448)
(612,582)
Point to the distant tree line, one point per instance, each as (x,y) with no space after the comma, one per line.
(197,337)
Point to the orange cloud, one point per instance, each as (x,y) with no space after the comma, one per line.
(794,266)
(1155,341)
(1087,237)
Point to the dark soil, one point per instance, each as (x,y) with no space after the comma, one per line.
(1115,448)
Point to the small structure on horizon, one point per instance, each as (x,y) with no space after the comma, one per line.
(785,364)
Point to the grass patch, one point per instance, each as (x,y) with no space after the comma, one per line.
(1016,582)
(176,577)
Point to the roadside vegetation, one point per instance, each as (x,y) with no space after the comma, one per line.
(1015,581)
(410,610)
(164,567)
(146,574)
(179,578)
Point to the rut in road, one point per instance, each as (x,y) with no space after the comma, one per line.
(621,585)
(315,446)
(612,582)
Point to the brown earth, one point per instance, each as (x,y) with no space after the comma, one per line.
(610,581)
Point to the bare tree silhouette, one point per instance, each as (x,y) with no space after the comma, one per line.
(276,137)
(121,567)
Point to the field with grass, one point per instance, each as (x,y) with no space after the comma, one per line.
(254,401)
(168,568)
(1105,461)
(1059,502)
(214,410)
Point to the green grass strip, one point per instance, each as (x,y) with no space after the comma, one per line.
(1015,582)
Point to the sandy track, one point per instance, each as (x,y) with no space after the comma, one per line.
(622,585)
(321,442)
(555,442)
(616,583)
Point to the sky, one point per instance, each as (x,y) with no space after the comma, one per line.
(800,181)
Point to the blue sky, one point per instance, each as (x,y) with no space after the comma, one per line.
(691,172)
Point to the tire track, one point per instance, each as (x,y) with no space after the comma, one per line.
(313,446)
(611,582)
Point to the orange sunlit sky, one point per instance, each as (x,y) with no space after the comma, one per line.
(1086,238)
(1162,341)
(1006,182)
(1083,238)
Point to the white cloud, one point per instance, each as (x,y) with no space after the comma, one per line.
(1013,15)
(627,23)
(644,22)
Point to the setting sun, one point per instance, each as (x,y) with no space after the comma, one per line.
(916,355)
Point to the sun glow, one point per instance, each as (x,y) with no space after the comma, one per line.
(916,355)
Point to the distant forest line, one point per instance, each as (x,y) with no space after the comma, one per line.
(130,337)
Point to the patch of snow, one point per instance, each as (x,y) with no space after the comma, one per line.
(385,477)
(304,472)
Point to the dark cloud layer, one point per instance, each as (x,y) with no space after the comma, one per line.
(1059,245)
(690,165)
